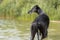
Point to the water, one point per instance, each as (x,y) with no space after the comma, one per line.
(8,30)
(12,30)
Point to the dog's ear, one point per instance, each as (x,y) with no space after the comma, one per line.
(36,5)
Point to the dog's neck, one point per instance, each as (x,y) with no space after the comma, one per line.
(40,12)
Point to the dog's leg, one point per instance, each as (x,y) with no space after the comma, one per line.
(33,32)
(44,33)
(38,34)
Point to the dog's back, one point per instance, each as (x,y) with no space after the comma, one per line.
(42,19)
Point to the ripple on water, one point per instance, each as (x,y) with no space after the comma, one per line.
(11,34)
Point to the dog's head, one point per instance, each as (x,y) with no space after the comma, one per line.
(34,9)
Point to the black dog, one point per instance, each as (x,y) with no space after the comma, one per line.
(41,23)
